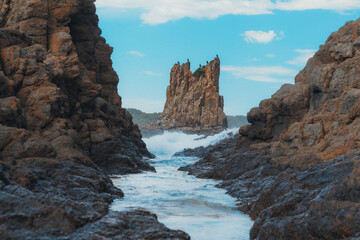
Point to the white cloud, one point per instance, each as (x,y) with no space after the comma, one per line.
(150,73)
(145,105)
(277,74)
(253,59)
(304,55)
(162,11)
(335,5)
(260,36)
(270,55)
(136,53)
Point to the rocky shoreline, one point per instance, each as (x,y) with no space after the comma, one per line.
(44,198)
(295,169)
(63,129)
(321,202)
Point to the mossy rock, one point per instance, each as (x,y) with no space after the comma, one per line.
(200,72)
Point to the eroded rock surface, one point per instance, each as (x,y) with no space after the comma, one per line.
(62,128)
(58,87)
(193,102)
(42,198)
(321,202)
(295,169)
(319,114)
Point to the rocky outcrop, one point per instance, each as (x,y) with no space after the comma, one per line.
(295,168)
(62,199)
(321,202)
(318,116)
(193,102)
(58,88)
(62,126)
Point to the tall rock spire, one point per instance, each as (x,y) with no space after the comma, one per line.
(193,102)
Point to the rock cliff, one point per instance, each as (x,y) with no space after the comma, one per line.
(60,120)
(57,85)
(193,102)
(295,169)
(318,116)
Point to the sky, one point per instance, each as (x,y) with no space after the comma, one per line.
(262,44)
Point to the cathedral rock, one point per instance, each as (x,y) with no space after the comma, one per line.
(193,102)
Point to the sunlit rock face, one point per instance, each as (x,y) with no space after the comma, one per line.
(318,116)
(57,85)
(193,102)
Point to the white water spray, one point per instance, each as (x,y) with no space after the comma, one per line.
(180,201)
(169,143)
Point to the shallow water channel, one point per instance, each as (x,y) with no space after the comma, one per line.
(182,201)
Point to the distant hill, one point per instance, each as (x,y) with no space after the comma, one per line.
(140,118)
(236,121)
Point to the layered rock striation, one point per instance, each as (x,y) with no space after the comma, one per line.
(295,168)
(62,126)
(193,102)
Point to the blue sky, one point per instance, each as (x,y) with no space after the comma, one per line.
(262,44)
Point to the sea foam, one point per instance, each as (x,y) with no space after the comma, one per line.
(169,143)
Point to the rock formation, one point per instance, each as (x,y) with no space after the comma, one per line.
(295,169)
(59,114)
(193,102)
(58,88)
(318,116)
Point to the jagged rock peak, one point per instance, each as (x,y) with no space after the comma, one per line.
(193,102)
(319,116)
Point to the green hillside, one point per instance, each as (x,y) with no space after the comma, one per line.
(236,121)
(140,118)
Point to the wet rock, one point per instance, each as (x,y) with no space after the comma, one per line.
(60,116)
(120,157)
(319,202)
(295,167)
(62,199)
(129,225)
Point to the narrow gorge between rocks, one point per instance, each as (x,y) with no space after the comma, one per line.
(181,201)
(75,164)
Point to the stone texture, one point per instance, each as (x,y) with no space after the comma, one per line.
(193,102)
(49,198)
(319,114)
(295,167)
(318,202)
(60,114)
(57,82)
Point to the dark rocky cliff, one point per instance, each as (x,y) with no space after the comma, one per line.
(58,87)
(193,102)
(62,126)
(295,169)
